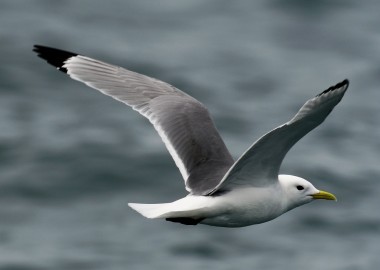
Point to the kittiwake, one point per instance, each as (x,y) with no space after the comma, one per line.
(222,192)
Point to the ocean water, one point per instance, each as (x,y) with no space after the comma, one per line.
(71,158)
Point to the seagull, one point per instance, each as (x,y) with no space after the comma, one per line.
(222,192)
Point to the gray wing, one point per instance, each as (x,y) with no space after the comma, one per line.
(183,123)
(260,164)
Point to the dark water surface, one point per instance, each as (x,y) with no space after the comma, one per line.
(71,158)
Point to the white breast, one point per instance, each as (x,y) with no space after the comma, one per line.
(246,206)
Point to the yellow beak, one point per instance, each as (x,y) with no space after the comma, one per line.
(324,195)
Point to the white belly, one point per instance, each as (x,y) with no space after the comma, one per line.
(244,207)
(237,208)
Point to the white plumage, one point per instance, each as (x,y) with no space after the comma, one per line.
(221,192)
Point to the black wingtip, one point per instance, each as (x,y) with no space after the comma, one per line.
(344,83)
(53,56)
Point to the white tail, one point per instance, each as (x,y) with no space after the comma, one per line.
(188,207)
(151,210)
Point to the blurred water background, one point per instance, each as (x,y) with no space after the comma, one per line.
(71,158)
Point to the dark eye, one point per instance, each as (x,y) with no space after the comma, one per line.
(300,187)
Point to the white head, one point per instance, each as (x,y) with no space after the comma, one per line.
(299,191)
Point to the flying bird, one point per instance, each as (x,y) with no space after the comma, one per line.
(222,192)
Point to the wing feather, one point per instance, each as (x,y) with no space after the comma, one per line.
(260,164)
(183,123)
